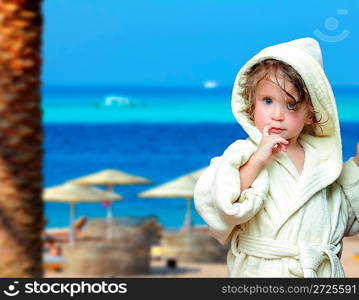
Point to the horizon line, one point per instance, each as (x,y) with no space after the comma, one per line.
(122,90)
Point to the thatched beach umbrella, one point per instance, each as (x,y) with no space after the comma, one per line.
(72,194)
(109,178)
(181,187)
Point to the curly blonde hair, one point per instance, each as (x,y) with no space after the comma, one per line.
(261,71)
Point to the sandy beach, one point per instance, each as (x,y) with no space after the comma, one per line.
(219,270)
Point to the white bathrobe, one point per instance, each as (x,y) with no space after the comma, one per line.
(285,224)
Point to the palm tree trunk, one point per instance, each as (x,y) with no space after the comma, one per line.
(21,209)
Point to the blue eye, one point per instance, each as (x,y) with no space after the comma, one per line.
(267,101)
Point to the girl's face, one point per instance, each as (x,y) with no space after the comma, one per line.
(274,108)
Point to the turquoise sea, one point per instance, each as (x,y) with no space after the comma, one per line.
(157,133)
(88,105)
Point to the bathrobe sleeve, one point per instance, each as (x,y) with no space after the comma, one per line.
(349,181)
(217,195)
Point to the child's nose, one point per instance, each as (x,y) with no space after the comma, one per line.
(277,113)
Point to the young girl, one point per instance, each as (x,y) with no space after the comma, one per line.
(283,197)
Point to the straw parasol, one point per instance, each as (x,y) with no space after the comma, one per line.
(181,187)
(109,178)
(72,194)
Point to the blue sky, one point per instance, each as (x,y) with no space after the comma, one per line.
(178,43)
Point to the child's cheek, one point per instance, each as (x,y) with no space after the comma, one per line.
(260,119)
(295,122)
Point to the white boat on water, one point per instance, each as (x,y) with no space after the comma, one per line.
(116,100)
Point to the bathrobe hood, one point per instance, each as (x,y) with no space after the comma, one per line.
(305,56)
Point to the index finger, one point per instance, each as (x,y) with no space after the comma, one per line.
(266,130)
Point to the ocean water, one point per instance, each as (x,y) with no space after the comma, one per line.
(159,137)
(160,105)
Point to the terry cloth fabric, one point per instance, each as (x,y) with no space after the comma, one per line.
(285,224)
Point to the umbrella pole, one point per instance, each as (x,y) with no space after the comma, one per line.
(109,217)
(187,226)
(72,230)
(109,222)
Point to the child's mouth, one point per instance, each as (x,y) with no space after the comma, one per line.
(276,130)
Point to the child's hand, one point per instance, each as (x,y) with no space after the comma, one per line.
(269,145)
(356,158)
